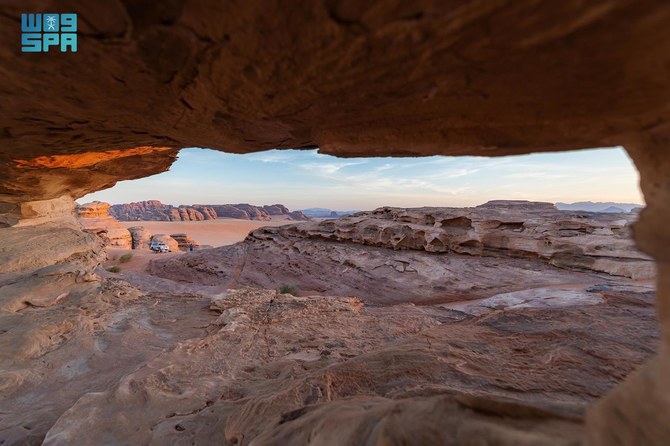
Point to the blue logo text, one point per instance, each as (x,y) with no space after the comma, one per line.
(40,32)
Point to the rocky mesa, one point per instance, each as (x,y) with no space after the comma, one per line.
(154,210)
(425,254)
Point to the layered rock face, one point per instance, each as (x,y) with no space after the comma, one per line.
(95,218)
(424,254)
(154,210)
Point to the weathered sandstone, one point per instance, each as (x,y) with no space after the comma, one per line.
(425,254)
(383,79)
(352,78)
(279,369)
(43,264)
(95,218)
(171,243)
(184,241)
(141,237)
(154,210)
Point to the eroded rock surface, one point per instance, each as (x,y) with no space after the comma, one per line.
(506,346)
(184,241)
(390,78)
(154,210)
(425,254)
(141,237)
(279,369)
(95,219)
(171,243)
(354,78)
(52,356)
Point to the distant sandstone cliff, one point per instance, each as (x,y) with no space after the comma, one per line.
(154,210)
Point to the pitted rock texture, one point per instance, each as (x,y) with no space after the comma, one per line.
(279,369)
(389,78)
(424,254)
(50,356)
(27,249)
(95,219)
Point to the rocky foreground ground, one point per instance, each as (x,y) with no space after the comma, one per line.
(491,325)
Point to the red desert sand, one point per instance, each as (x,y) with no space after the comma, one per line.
(219,232)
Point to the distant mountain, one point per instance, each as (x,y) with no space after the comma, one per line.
(613,209)
(325,213)
(590,206)
(154,210)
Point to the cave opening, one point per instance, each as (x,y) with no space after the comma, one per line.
(552,285)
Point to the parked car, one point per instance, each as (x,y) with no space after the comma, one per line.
(159,247)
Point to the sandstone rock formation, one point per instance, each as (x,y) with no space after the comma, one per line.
(184,241)
(95,218)
(325,213)
(265,368)
(207,212)
(254,212)
(298,216)
(141,237)
(94,209)
(276,209)
(351,96)
(171,243)
(154,210)
(59,211)
(353,78)
(425,254)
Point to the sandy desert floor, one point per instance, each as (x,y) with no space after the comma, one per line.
(224,231)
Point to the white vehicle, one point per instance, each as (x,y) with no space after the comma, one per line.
(159,247)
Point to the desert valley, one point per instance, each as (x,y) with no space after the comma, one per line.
(511,310)
(335,223)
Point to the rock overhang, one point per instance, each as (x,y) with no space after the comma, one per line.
(391,79)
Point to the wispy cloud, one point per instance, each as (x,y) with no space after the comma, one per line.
(306,178)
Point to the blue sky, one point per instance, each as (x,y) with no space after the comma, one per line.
(302,179)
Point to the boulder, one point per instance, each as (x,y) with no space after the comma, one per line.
(141,237)
(171,243)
